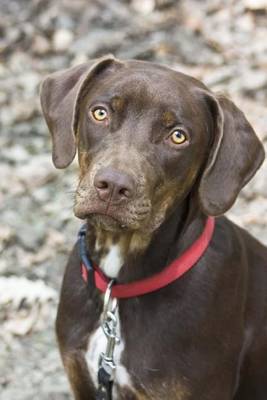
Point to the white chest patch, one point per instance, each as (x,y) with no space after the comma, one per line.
(97,345)
(112,262)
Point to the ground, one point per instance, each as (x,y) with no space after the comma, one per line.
(222,43)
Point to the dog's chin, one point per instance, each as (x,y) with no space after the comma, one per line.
(107,222)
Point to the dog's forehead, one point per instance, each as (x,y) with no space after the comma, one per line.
(159,75)
(151,84)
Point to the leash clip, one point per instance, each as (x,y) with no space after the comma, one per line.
(109,322)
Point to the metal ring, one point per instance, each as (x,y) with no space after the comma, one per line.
(111,317)
(110,304)
(107,298)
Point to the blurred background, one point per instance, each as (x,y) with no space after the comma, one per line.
(223,43)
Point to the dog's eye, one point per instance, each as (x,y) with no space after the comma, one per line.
(178,136)
(99,114)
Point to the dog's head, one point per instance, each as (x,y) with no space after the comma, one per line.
(146,135)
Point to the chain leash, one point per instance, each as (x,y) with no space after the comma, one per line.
(107,366)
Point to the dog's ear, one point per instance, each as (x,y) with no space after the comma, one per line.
(235,156)
(61,94)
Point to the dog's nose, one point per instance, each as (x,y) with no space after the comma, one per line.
(114,186)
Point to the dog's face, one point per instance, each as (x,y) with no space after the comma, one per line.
(145,136)
(140,149)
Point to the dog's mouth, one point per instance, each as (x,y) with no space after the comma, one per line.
(95,212)
(112,218)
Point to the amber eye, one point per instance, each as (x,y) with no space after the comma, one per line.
(178,136)
(99,114)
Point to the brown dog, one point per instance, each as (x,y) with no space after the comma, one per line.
(158,153)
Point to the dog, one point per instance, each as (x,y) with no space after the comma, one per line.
(161,158)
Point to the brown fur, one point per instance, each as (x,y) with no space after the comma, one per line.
(203,336)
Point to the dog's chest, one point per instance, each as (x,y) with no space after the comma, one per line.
(110,263)
(136,379)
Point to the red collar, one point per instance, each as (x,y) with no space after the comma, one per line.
(169,274)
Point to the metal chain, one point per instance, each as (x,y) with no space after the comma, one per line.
(107,366)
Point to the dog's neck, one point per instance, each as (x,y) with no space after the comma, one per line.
(131,256)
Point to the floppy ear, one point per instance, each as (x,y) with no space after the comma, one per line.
(61,95)
(235,156)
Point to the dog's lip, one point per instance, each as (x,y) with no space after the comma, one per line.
(105,214)
(84,214)
(108,219)
(120,216)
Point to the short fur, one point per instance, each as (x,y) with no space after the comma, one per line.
(203,337)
